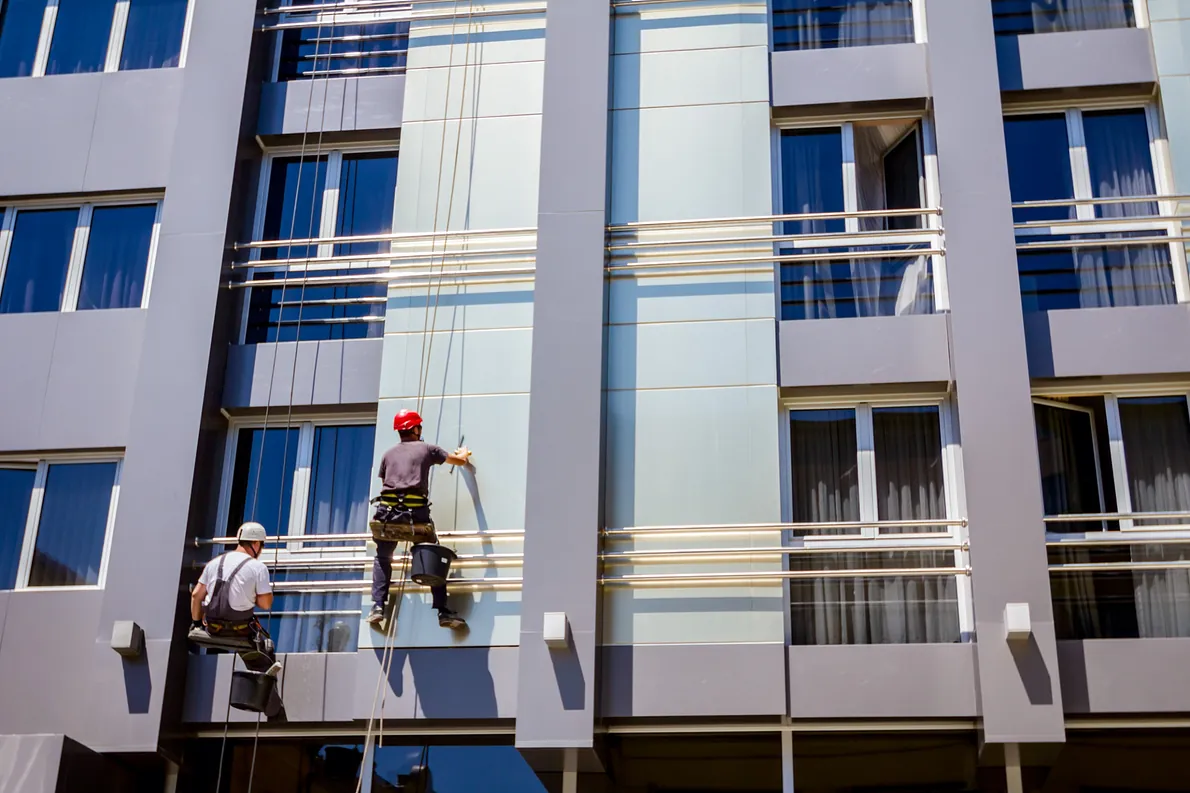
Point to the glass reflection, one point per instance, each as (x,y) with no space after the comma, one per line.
(81,32)
(20,27)
(117,257)
(153,36)
(16,490)
(262,484)
(73,524)
(37,260)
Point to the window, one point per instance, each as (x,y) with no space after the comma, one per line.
(55,521)
(40,37)
(95,256)
(311,479)
(343,194)
(1016,17)
(867,183)
(340,43)
(871,467)
(1122,572)
(825,24)
(1074,251)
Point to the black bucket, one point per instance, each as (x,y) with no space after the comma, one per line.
(431,564)
(251,691)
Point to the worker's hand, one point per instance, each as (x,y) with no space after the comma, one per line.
(463,453)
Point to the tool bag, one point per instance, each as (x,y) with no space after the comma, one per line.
(402,517)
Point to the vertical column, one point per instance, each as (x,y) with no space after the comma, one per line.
(555,697)
(1170,22)
(1021,699)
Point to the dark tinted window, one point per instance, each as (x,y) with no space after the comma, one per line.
(81,33)
(40,253)
(153,37)
(812,177)
(294,209)
(16,490)
(20,28)
(117,257)
(367,190)
(73,524)
(262,482)
(340,479)
(1039,164)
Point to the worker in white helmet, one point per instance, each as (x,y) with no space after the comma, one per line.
(231,587)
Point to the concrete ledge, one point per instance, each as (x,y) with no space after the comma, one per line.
(872,350)
(326,373)
(1094,342)
(1125,675)
(850,74)
(882,681)
(692,680)
(1075,60)
(347,104)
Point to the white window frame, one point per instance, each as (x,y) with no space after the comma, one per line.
(1080,177)
(326,19)
(33,520)
(299,500)
(326,221)
(82,232)
(928,186)
(115,42)
(952,483)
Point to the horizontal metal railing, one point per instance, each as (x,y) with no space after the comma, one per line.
(284,539)
(354,13)
(750,528)
(1127,536)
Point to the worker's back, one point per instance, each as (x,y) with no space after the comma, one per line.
(406,466)
(244,578)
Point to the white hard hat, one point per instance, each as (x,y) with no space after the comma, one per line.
(251,532)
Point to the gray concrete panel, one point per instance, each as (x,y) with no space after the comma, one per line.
(556,692)
(871,350)
(30,763)
(1020,695)
(49,120)
(1125,675)
(303,686)
(692,680)
(332,105)
(132,142)
(850,74)
(88,397)
(326,373)
(26,375)
(339,689)
(1123,56)
(1108,341)
(905,681)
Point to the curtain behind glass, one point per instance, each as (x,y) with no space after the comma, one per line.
(262,482)
(81,32)
(1156,433)
(117,257)
(153,36)
(340,475)
(367,191)
(73,524)
(1055,16)
(294,208)
(820,24)
(909,483)
(38,256)
(825,467)
(20,28)
(319,632)
(16,490)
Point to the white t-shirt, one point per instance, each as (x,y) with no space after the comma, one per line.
(252,580)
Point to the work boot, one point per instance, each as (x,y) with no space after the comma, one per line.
(449,619)
(375,616)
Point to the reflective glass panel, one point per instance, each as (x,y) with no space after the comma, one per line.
(153,37)
(35,275)
(81,32)
(16,489)
(73,524)
(117,257)
(20,28)
(262,482)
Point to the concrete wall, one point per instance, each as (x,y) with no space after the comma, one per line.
(1170,27)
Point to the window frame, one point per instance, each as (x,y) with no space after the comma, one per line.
(326,221)
(115,42)
(33,520)
(299,500)
(82,232)
(1080,177)
(928,183)
(952,483)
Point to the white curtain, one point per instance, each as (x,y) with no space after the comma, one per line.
(868,22)
(817,24)
(1053,16)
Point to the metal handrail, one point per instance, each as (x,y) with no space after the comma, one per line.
(412,236)
(344,258)
(1140,220)
(1100,516)
(779,259)
(399,15)
(415,279)
(364,585)
(1107,242)
(1066,202)
(284,539)
(925,235)
(703,222)
(1111,538)
(778,575)
(777,551)
(314,8)
(1099,567)
(757,527)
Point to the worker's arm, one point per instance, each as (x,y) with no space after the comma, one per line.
(196,598)
(460,456)
(264,600)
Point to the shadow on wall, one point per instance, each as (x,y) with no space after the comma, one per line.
(450,683)
(1034,675)
(138,684)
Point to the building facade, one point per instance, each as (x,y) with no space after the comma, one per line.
(822,361)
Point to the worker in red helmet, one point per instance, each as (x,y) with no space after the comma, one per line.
(404,501)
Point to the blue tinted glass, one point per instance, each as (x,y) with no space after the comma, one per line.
(117,257)
(333,628)
(1039,165)
(823,24)
(153,37)
(20,28)
(315,51)
(367,190)
(298,320)
(1015,17)
(73,524)
(37,261)
(340,476)
(81,32)
(1120,161)
(455,769)
(294,209)
(16,488)
(262,483)
(812,178)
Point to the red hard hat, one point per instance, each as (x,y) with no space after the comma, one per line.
(406,420)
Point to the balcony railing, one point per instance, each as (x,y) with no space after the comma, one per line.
(1120,575)
(1098,252)
(827,24)
(1017,17)
(336,291)
(832,264)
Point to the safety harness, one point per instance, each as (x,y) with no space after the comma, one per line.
(221,618)
(402,516)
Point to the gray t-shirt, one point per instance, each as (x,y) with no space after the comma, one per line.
(406,466)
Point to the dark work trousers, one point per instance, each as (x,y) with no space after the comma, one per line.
(382,577)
